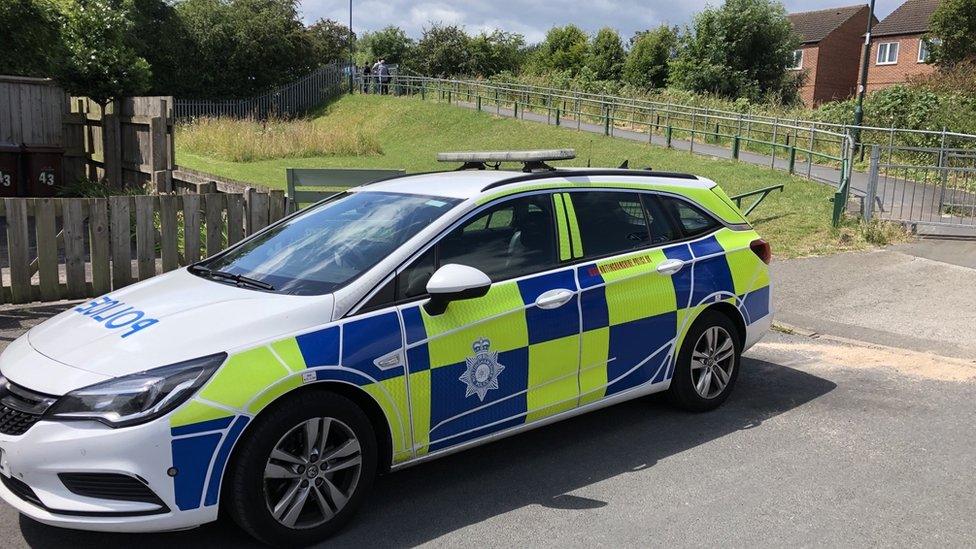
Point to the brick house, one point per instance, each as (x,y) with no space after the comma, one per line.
(831,42)
(898,48)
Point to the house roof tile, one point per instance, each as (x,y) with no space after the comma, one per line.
(814,26)
(912,17)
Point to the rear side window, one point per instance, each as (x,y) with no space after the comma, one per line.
(663,229)
(692,219)
(610,222)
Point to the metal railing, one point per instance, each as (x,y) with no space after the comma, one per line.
(812,150)
(940,191)
(294,99)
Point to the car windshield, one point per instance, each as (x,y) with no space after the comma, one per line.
(330,244)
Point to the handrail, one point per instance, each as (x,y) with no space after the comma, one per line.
(764,192)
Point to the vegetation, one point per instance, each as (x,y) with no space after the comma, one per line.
(410,133)
(249,140)
(97,60)
(25,47)
(740,49)
(732,57)
(443,50)
(607,55)
(953,28)
(646,66)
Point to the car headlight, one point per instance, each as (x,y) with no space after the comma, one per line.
(137,398)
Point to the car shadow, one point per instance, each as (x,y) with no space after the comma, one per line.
(540,467)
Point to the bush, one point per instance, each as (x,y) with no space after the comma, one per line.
(251,140)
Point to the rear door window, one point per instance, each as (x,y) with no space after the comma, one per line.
(610,222)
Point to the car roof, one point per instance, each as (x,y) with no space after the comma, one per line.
(464,184)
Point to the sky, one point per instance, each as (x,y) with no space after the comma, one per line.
(533,19)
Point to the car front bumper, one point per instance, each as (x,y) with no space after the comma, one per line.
(35,459)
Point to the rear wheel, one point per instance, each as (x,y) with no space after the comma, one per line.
(708,363)
(303,471)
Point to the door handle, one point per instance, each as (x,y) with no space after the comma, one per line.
(670,266)
(553,299)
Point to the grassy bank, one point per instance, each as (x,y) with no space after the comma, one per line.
(411,132)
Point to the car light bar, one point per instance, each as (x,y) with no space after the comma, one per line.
(532,160)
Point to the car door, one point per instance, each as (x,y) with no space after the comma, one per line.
(499,361)
(627,299)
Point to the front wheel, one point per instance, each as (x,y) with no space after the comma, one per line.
(303,470)
(708,363)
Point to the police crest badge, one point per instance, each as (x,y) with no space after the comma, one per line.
(481,374)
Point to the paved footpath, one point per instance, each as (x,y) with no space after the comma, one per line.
(822,443)
(919,296)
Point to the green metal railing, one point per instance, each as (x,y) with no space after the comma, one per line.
(807,149)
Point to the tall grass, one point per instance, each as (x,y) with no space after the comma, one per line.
(251,140)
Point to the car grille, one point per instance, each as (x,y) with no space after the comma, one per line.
(20,408)
(109,486)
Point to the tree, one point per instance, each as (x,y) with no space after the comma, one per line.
(98,62)
(495,52)
(389,43)
(564,49)
(155,23)
(650,51)
(443,50)
(607,55)
(741,49)
(32,49)
(953,27)
(330,41)
(238,48)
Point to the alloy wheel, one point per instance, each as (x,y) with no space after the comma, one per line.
(312,472)
(712,362)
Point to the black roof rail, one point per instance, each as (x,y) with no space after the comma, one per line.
(587,172)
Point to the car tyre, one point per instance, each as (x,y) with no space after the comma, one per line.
(708,363)
(276,470)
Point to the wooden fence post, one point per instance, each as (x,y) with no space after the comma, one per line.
(112,144)
(118,209)
(158,157)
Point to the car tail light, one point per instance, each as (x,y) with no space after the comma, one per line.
(761,248)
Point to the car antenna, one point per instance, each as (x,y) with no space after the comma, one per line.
(589,154)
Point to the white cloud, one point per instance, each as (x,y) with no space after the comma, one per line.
(533,19)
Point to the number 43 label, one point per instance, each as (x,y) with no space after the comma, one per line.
(46,177)
(6,179)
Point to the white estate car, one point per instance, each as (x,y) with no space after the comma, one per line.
(387,325)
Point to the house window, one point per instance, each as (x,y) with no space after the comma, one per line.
(887,53)
(925,48)
(797,63)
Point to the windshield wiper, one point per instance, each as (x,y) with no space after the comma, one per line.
(240,280)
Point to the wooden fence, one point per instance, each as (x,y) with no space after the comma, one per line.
(137,132)
(294,99)
(70,248)
(31,111)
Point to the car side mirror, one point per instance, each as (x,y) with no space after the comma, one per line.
(454,282)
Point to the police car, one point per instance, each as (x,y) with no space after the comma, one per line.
(382,327)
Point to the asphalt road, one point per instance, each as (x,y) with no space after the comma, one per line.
(822,443)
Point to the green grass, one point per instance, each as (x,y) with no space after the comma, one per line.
(411,132)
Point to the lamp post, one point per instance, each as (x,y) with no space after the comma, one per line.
(352,65)
(863,84)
